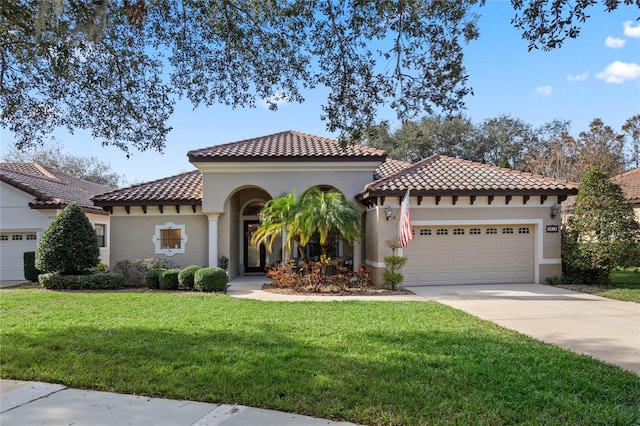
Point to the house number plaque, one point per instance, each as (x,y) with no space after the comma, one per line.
(553,228)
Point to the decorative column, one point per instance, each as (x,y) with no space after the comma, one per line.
(357,253)
(285,254)
(213,239)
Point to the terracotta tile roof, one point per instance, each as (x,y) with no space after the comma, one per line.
(287,146)
(390,167)
(185,189)
(630,184)
(440,175)
(51,188)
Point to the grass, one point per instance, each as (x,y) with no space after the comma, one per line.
(624,285)
(377,363)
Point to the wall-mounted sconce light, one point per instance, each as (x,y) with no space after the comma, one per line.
(554,210)
(388,211)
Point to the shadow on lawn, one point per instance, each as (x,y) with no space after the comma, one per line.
(406,377)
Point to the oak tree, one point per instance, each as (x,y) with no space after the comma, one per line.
(117,67)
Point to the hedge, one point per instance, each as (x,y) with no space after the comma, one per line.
(97,281)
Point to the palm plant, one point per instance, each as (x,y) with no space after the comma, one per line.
(278,215)
(316,212)
(327,214)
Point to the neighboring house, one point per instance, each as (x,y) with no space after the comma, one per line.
(630,184)
(473,223)
(31,196)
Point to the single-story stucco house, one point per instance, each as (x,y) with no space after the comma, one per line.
(472,223)
(31,196)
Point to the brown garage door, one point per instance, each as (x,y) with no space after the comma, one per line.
(440,255)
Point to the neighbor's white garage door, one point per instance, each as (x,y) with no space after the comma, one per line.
(12,248)
(470,255)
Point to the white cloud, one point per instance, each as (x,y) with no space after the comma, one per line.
(544,90)
(631,31)
(578,77)
(614,43)
(618,72)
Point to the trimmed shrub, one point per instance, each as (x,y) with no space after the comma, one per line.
(69,245)
(97,281)
(135,271)
(30,271)
(186,277)
(152,279)
(210,279)
(169,279)
(392,276)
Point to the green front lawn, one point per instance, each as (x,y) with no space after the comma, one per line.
(624,285)
(409,363)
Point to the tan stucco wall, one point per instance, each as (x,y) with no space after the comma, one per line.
(428,213)
(274,178)
(131,235)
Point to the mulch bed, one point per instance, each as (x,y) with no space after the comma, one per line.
(336,292)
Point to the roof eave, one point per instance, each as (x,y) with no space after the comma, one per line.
(62,206)
(147,203)
(465,193)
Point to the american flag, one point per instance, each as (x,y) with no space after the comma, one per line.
(405,233)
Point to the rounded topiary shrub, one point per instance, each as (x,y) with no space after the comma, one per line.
(152,279)
(186,277)
(169,279)
(210,279)
(69,246)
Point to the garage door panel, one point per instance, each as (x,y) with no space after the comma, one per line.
(524,260)
(485,255)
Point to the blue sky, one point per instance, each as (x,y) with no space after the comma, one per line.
(597,75)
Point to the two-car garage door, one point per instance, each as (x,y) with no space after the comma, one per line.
(440,255)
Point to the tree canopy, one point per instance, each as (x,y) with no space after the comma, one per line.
(117,67)
(550,150)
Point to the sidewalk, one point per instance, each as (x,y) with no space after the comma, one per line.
(35,403)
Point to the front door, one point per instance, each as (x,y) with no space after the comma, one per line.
(254,258)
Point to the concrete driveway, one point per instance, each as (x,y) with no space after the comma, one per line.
(606,329)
